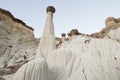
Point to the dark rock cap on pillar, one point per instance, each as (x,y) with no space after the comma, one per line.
(50,9)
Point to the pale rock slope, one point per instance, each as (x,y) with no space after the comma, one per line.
(88,57)
(33,70)
(96,60)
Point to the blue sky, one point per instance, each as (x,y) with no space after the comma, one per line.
(87,16)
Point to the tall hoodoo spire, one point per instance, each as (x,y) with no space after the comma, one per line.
(47,42)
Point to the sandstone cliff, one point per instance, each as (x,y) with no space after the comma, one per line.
(17,42)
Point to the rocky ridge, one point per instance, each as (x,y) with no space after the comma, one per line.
(17,43)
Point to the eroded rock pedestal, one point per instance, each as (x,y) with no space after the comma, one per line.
(47,42)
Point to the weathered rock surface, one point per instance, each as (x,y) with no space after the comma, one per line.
(33,70)
(77,57)
(111,21)
(17,42)
(87,61)
(47,42)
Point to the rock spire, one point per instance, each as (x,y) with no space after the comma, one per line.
(47,42)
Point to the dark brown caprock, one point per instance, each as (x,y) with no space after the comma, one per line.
(50,9)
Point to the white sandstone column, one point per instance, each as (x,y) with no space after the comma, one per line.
(47,42)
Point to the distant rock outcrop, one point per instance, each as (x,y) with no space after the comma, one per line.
(112,24)
(111,21)
(74,32)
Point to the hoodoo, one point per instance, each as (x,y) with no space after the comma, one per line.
(37,68)
(63,37)
(47,42)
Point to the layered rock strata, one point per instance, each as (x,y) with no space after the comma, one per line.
(17,43)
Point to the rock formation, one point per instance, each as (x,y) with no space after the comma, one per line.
(63,37)
(37,68)
(33,70)
(47,42)
(74,32)
(80,57)
(111,21)
(87,57)
(17,43)
(112,24)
